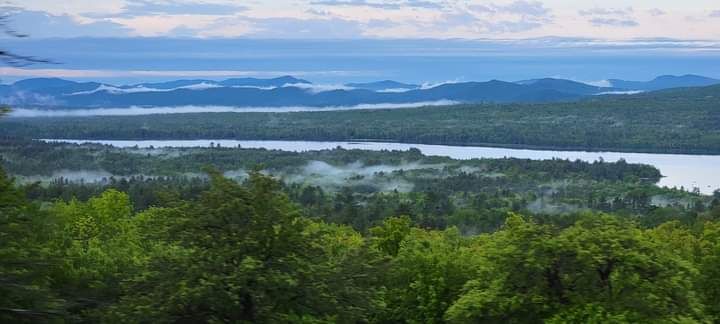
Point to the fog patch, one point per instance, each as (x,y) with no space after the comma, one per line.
(395,90)
(74,176)
(317,88)
(427,85)
(166,153)
(599,83)
(470,169)
(25,98)
(237,175)
(378,177)
(140,111)
(544,206)
(89,177)
(254,87)
(664,201)
(141,88)
(628,92)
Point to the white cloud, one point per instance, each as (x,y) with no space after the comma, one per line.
(296,19)
(614,17)
(116,90)
(178,7)
(317,88)
(629,92)
(426,86)
(386,4)
(599,83)
(657,12)
(73,7)
(40,24)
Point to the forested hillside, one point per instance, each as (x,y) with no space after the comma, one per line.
(361,188)
(246,253)
(676,121)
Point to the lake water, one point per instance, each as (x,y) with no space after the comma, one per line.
(689,171)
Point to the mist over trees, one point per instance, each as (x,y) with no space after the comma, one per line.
(245,253)
(460,247)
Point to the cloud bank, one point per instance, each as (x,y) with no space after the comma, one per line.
(138,111)
(330,19)
(614,17)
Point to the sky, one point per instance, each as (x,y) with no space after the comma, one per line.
(467,19)
(335,41)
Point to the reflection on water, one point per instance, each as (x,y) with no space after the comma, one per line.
(689,171)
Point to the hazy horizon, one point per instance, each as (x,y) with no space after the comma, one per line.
(135,60)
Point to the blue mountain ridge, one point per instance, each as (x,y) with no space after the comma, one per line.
(290,91)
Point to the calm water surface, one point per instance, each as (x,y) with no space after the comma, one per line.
(689,171)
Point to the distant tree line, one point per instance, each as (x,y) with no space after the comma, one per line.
(673,121)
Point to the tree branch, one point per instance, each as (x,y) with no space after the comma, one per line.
(10,58)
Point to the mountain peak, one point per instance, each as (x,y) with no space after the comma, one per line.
(665,82)
(38,83)
(382,85)
(255,82)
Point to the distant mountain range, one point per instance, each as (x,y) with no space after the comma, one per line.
(665,82)
(290,91)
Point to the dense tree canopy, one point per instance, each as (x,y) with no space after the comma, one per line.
(465,242)
(246,253)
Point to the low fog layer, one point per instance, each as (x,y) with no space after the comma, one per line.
(138,111)
(318,173)
(87,176)
(314,173)
(332,178)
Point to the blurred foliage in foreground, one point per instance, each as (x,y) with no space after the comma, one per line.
(246,253)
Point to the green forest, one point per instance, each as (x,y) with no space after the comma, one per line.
(231,235)
(92,233)
(244,252)
(635,123)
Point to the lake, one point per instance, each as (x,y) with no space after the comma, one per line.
(689,171)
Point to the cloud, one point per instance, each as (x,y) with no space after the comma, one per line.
(655,12)
(599,21)
(606,12)
(613,17)
(41,24)
(317,88)
(137,89)
(176,7)
(316,25)
(391,5)
(297,28)
(518,7)
(513,17)
(142,111)
(512,26)
(525,8)
(471,19)
(183,31)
